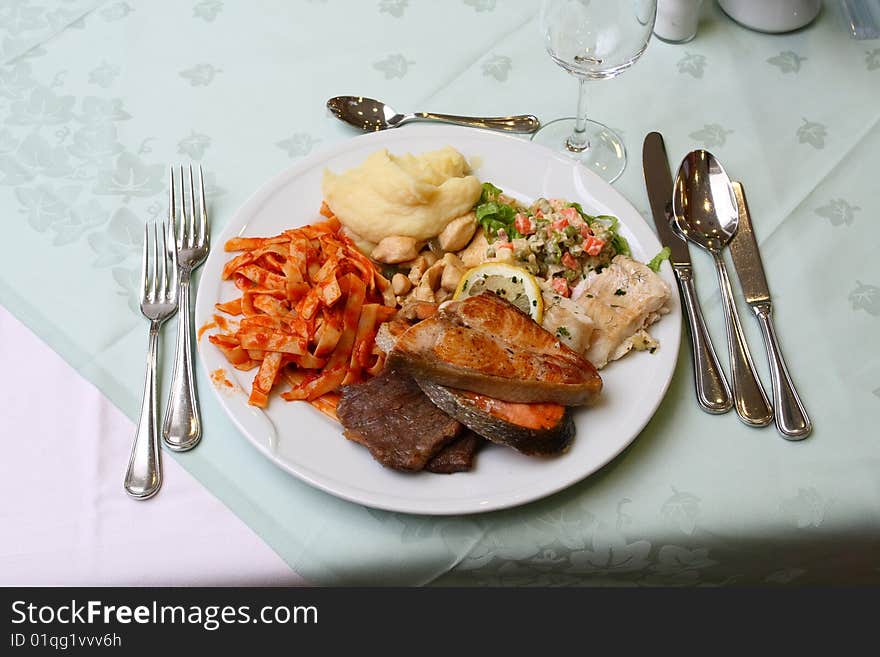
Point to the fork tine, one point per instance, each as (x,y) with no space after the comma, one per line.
(171,194)
(203,222)
(155,281)
(191,223)
(163,277)
(182,228)
(173,290)
(145,275)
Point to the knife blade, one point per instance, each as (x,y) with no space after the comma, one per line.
(746,257)
(658,179)
(792,420)
(713,392)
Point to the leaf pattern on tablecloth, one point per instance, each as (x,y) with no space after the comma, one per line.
(207,10)
(131,177)
(41,108)
(682,510)
(116,11)
(838,211)
(711,135)
(16,80)
(96,144)
(497,66)
(812,133)
(18,17)
(104,75)
(865,297)
(787,61)
(678,566)
(94,110)
(572,546)
(128,282)
(61,18)
(124,237)
(481,5)
(393,66)
(194,145)
(872,59)
(200,75)
(298,144)
(807,509)
(692,64)
(46,206)
(393,7)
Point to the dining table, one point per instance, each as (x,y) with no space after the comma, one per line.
(99,98)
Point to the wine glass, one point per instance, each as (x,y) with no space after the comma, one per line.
(593,40)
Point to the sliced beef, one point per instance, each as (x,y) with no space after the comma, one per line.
(457,456)
(395,420)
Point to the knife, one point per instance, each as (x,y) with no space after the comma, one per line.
(791,417)
(713,392)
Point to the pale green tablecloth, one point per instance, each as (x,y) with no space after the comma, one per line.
(98,98)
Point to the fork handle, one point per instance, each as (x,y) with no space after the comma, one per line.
(144,474)
(182,428)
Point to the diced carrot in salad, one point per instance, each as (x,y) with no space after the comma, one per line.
(524,224)
(593,245)
(569,261)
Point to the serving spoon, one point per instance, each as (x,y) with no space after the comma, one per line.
(705,212)
(369,115)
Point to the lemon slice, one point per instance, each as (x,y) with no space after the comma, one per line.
(507,281)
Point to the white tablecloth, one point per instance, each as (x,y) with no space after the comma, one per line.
(64,517)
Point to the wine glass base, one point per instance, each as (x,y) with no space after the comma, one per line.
(605,156)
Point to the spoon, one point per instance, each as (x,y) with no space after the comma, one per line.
(705,212)
(368,115)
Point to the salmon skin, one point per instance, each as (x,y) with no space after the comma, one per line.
(534,429)
(487,345)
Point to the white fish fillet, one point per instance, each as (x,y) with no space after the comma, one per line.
(623,300)
(567,320)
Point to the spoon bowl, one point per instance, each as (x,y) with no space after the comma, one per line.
(364,113)
(703,202)
(370,115)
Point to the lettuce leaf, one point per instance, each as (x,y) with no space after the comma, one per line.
(658,259)
(493,216)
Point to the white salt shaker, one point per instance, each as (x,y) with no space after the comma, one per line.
(677,20)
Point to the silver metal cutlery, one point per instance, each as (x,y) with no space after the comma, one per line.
(713,393)
(792,420)
(370,115)
(158,302)
(705,212)
(182,428)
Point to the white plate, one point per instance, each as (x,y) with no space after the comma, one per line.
(304,442)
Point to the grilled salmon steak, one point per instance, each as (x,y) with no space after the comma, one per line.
(487,345)
(534,429)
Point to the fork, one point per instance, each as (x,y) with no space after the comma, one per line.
(158,302)
(182,427)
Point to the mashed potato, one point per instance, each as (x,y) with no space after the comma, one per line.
(408,195)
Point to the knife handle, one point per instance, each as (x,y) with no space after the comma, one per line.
(713,393)
(791,417)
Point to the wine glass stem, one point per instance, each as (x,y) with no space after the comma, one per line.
(578,142)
